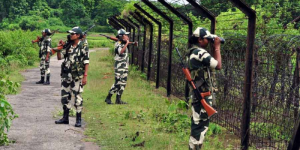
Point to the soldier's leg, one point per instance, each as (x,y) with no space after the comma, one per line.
(114,88)
(47,72)
(42,69)
(122,83)
(77,90)
(65,100)
(199,126)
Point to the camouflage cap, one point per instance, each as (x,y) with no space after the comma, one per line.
(202,33)
(122,32)
(76,30)
(48,31)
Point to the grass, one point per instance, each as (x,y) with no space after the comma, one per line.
(139,124)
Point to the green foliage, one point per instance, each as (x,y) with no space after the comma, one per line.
(16,50)
(6,112)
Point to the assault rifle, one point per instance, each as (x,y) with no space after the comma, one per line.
(85,32)
(67,44)
(200,96)
(116,39)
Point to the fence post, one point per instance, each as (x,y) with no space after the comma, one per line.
(245,133)
(144,37)
(122,23)
(137,17)
(116,23)
(112,24)
(138,38)
(294,143)
(154,8)
(158,41)
(150,43)
(201,9)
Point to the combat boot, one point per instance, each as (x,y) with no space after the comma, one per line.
(119,101)
(196,147)
(108,99)
(65,119)
(78,120)
(41,81)
(47,81)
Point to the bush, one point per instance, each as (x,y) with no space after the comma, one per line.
(16,49)
(6,111)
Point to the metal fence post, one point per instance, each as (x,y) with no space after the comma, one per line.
(245,133)
(158,41)
(144,37)
(294,143)
(116,23)
(150,43)
(154,8)
(138,37)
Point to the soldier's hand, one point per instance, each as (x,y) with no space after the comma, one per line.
(84,80)
(217,43)
(47,58)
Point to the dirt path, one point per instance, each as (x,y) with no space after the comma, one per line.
(35,128)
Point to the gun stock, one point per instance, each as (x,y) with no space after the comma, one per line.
(200,96)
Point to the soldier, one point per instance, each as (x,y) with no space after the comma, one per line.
(45,50)
(200,64)
(121,67)
(73,74)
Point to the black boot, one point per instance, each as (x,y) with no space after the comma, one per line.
(65,119)
(47,81)
(41,81)
(78,120)
(119,101)
(108,99)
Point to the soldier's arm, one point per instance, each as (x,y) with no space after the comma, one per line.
(86,65)
(124,48)
(217,53)
(48,48)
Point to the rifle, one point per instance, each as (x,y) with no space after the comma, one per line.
(54,32)
(200,96)
(116,39)
(85,32)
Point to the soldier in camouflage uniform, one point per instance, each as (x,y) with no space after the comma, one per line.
(121,67)
(200,64)
(44,54)
(73,74)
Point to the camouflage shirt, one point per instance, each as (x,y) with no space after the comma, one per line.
(45,45)
(122,60)
(200,61)
(75,59)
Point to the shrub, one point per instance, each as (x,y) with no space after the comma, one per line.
(6,111)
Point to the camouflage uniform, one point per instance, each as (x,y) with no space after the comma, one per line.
(72,73)
(45,47)
(200,61)
(121,69)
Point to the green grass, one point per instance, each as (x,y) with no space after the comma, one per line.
(115,126)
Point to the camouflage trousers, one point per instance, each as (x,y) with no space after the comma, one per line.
(44,66)
(71,89)
(120,81)
(200,122)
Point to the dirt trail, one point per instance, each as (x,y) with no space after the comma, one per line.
(35,128)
